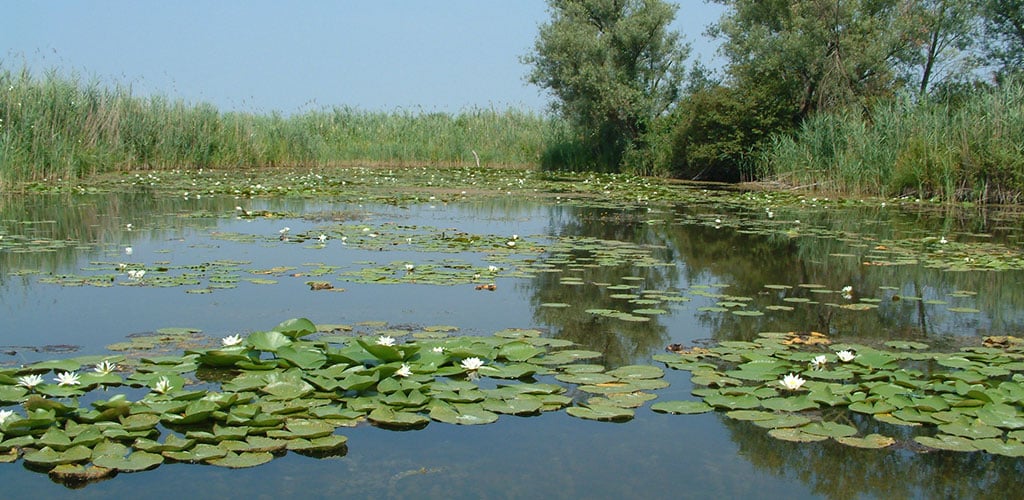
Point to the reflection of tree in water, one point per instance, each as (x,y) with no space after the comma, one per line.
(746,261)
(622,342)
(837,471)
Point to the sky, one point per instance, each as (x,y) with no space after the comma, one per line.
(290,57)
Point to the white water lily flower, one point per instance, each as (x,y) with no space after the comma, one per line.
(4,415)
(105,367)
(819,361)
(847,289)
(410,267)
(515,236)
(846,355)
(438,349)
(285,230)
(792,382)
(492,269)
(67,378)
(404,371)
(231,340)
(943,240)
(163,386)
(136,274)
(30,381)
(128,250)
(322,237)
(472,364)
(510,243)
(386,341)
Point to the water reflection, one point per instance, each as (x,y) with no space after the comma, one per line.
(672,251)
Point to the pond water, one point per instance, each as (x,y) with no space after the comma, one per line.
(625,280)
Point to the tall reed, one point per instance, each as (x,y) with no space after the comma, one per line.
(58,126)
(926,149)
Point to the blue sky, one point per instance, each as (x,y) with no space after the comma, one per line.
(263,56)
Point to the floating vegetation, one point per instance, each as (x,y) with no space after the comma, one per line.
(793,384)
(289,389)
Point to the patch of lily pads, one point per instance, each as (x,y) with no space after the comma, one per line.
(803,388)
(289,389)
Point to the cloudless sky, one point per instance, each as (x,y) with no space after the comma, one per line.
(263,56)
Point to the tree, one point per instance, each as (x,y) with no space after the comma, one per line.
(1004,30)
(613,66)
(814,55)
(939,34)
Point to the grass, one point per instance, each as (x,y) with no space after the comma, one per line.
(928,150)
(59,127)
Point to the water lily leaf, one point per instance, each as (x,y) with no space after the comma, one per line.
(830,429)
(743,402)
(134,462)
(462,414)
(682,407)
(199,453)
(871,441)
(243,460)
(522,404)
(387,417)
(286,388)
(795,434)
(48,457)
(223,357)
(1009,448)
(268,341)
(519,351)
(792,404)
(637,372)
(296,327)
(140,421)
(1001,415)
(970,429)
(947,442)
(171,443)
(12,393)
(306,359)
(778,421)
(513,371)
(325,443)
(585,378)
(76,474)
(601,413)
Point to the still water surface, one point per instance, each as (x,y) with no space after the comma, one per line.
(703,254)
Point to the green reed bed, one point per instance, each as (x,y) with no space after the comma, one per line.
(57,126)
(929,149)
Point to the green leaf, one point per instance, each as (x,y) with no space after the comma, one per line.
(269,341)
(296,327)
(681,407)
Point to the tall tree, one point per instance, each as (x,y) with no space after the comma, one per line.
(939,35)
(613,66)
(813,54)
(1004,30)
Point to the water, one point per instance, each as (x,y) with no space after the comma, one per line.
(706,255)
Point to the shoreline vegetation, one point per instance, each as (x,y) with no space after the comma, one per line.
(57,127)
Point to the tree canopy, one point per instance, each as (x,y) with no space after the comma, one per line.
(613,67)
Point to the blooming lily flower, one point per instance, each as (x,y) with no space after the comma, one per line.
(409,267)
(231,340)
(30,381)
(818,362)
(438,349)
(492,269)
(472,364)
(105,367)
(792,382)
(67,378)
(386,340)
(163,386)
(846,355)
(404,371)
(510,243)
(128,250)
(4,415)
(322,237)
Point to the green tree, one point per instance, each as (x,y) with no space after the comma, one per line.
(814,55)
(939,35)
(1004,34)
(613,67)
